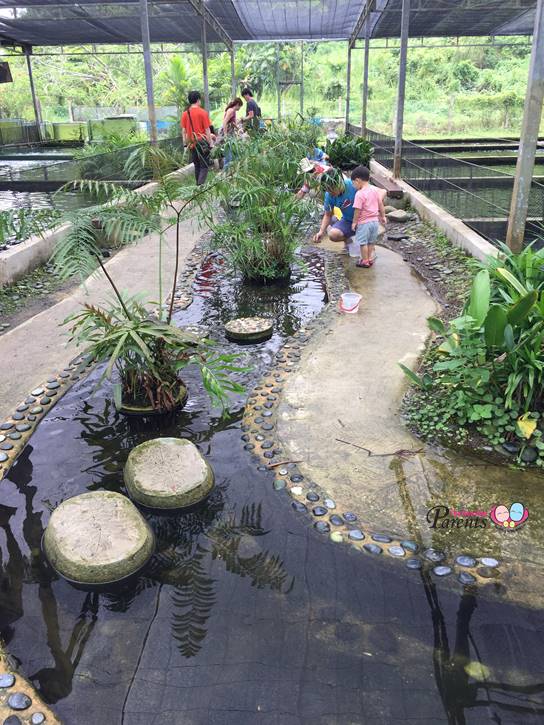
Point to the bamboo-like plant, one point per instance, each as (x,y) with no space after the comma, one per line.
(261,235)
(139,341)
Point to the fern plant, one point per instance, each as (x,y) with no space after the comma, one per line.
(139,341)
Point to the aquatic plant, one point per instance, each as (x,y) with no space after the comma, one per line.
(261,235)
(137,340)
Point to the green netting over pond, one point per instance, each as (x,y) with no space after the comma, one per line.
(478,195)
(53,22)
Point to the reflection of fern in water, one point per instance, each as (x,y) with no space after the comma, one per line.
(183,565)
(193,599)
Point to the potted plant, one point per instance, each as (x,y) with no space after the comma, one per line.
(138,341)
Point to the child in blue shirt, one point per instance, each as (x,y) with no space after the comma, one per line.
(339,192)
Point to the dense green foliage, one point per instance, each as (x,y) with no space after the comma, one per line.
(450,90)
(347,152)
(261,234)
(139,341)
(486,372)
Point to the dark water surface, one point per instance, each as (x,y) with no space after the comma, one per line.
(245,614)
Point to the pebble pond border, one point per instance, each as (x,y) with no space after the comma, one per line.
(258,426)
(17,695)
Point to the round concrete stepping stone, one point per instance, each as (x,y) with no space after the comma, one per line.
(249,329)
(97,538)
(168,473)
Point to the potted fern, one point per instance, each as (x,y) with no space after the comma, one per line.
(138,341)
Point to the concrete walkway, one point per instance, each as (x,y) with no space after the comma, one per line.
(342,404)
(39,346)
(349,386)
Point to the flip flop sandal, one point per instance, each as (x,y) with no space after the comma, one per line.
(366,265)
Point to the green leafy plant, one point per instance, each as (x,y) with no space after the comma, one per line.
(487,368)
(139,341)
(16,225)
(347,152)
(261,234)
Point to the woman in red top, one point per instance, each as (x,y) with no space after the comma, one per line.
(195,126)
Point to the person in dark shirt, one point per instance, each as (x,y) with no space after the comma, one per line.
(253,111)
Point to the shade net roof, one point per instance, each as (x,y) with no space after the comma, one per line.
(63,22)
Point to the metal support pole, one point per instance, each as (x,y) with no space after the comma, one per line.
(233,73)
(278,88)
(404,31)
(365,83)
(37,114)
(205,66)
(532,113)
(146,42)
(302,78)
(348,86)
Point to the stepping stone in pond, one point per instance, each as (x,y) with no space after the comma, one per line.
(7,446)
(434,555)
(311,495)
(6,426)
(18,416)
(413,563)
(296,490)
(349,517)
(336,520)
(465,560)
(52,386)
(37,719)
(319,510)
(37,392)
(372,548)
(337,537)
(22,427)
(442,570)
(410,546)
(168,473)
(97,538)
(3,457)
(299,507)
(279,484)
(329,503)
(296,478)
(249,329)
(466,578)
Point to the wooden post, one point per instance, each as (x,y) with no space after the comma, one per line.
(205,66)
(146,42)
(532,113)
(348,86)
(404,30)
(37,114)
(365,82)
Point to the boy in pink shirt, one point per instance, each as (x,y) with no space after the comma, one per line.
(368,213)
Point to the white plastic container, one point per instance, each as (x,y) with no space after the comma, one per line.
(349,302)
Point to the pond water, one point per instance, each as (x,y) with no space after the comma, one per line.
(246,614)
